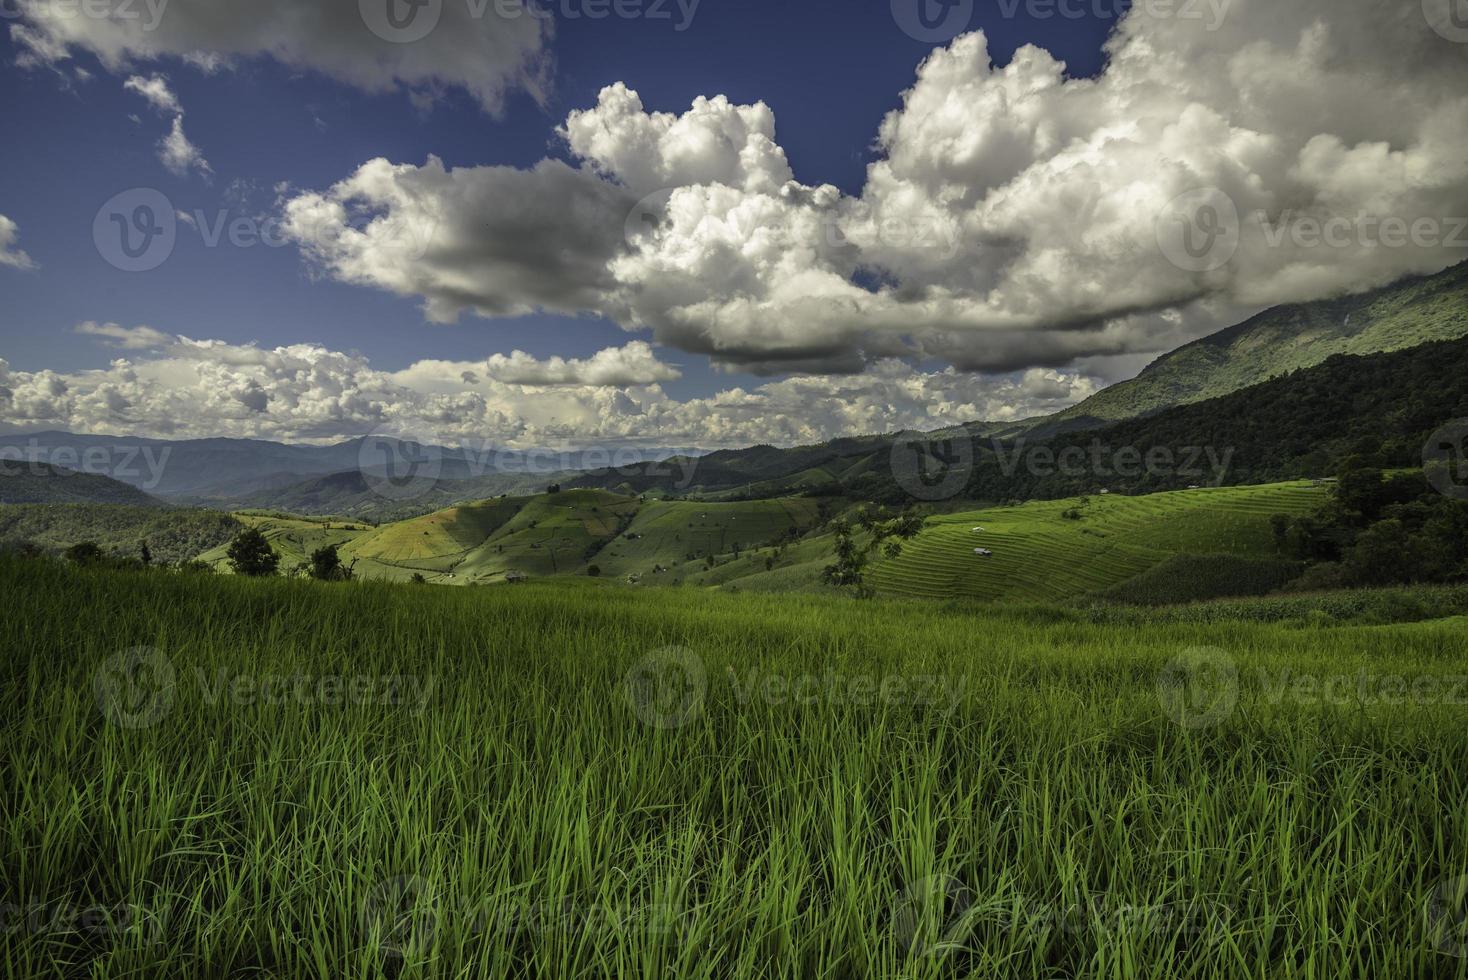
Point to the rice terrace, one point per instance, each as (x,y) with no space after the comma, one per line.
(903,491)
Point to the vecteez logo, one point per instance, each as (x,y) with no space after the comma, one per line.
(136,231)
(933,466)
(1199,688)
(1445,460)
(1447,917)
(933,21)
(401,21)
(400,918)
(1198,231)
(147,15)
(1449,18)
(666,688)
(135,688)
(399,465)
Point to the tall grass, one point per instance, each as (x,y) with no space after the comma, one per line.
(604,782)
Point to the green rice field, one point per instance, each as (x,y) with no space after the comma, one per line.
(214,777)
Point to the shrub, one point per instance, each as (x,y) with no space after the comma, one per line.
(86,553)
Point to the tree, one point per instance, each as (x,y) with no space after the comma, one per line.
(86,553)
(849,569)
(553,488)
(1377,558)
(1362,490)
(145,554)
(326,566)
(250,554)
(1280,523)
(594,571)
(418,579)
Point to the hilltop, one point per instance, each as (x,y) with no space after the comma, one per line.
(1280,340)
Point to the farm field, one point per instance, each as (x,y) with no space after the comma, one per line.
(573,779)
(293,538)
(781,545)
(1038,552)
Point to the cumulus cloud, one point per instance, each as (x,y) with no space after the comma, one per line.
(307,393)
(1015,215)
(501,48)
(11,254)
(175,150)
(615,367)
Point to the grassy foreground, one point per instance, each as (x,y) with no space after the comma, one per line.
(213,777)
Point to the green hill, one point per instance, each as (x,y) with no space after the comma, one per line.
(670,541)
(41,483)
(293,538)
(1276,342)
(1038,552)
(1047,550)
(173,534)
(1280,340)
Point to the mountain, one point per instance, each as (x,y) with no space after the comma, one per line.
(366,497)
(1286,338)
(255,474)
(187,468)
(1301,424)
(40,483)
(1305,424)
(228,472)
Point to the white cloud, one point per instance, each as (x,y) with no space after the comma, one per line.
(192,388)
(1012,218)
(125,338)
(178,154)
(11,254)
(175,150)
(631,365)
(485,55)
(156,91)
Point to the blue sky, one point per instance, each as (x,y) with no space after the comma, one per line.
(1043,176)
(830,69)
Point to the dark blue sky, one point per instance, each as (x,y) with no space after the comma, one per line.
(830,70)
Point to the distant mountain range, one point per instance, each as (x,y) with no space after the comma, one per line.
(345,479)
(251,473)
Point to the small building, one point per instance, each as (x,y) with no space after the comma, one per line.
(983,552)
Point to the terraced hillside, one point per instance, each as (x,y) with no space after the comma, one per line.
(556,534)
(293,538)
(670,534)
(431,545)
(1038,552)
